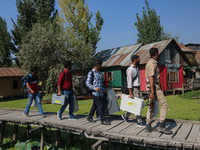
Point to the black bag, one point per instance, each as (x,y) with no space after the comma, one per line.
(125,89)
(83,88)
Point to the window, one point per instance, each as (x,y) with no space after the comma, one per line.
(110,76)
(173,77)
(15,84)
(167,55)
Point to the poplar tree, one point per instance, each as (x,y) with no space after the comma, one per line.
(149,27)
(82,36)
(31,12)
(5,45)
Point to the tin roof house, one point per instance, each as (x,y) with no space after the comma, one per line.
(10,82)
(171,62)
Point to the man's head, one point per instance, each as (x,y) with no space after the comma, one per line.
(153,53)
(34,69)
(135,60)
(68,65)
(98,65)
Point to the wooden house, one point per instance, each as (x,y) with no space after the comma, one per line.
(10,82)
(115,63)
(171,63)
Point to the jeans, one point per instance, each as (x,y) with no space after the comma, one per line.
(37,97)
(98,104)
(69,99)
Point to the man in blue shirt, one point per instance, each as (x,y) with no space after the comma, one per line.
(94,83)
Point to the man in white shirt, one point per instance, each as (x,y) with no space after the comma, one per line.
(133,84)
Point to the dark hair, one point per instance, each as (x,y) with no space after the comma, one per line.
(134,57)
(67,63)
(153,52)
(33,68)
(98,62)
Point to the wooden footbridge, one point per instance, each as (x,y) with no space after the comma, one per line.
(186,134)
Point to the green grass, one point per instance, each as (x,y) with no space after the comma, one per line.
(179,107)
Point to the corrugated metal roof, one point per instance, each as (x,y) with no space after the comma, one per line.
(119,56)
(185,48)
(5,72)
(143,51)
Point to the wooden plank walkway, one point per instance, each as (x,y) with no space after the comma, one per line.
(186,134)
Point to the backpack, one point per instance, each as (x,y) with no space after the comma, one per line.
(24,81)
(84,90)
(55,86)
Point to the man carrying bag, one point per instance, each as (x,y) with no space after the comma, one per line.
(133,85)
(65,88)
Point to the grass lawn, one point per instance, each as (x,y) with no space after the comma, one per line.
(179,107)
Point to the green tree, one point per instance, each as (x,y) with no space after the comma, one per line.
(149,27)
(31,12)
(43,47)
(82,36)
(5,45)
(168,35)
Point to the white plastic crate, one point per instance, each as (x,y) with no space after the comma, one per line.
(58,99)
(132,105)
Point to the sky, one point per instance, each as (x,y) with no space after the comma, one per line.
(178,17)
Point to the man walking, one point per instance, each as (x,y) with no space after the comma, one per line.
(94,83)
(33,92)
(153,76)
(65,88)
(133,82)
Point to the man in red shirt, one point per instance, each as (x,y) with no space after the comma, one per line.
(33,92)
(65,88)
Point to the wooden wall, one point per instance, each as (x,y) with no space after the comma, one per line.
(7,88)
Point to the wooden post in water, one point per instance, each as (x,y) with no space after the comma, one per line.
(15,134)
(42,138)
(113,146)
(2,132)
(71,138)
(28,134)
(58,138)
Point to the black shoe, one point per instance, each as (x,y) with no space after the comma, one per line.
(148,128)
(164,130)
(91,120)
(105,122)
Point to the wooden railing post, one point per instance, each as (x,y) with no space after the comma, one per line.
(28,134)
(15,134)
(2,133)
(42,138)
(58,138)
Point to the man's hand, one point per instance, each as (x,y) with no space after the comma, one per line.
(131,95)
(152,96)
(59,93)
(32,92)
(97,89)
